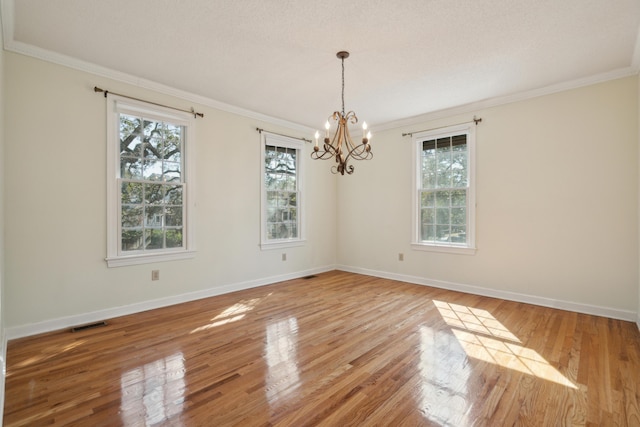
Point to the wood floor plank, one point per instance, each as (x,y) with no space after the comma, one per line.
(338,349)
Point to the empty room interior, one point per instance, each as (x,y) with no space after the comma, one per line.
(327,213)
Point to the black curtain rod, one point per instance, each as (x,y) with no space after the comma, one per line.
(288,136)
(106,92)
(476,121)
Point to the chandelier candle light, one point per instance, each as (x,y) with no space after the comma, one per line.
(340,145)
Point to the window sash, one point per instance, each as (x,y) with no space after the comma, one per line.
(444,190)
(149,229)
(281,189)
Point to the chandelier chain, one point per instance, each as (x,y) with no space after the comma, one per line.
(343,87)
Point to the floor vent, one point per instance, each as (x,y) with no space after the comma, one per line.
(309,277)
(89,326)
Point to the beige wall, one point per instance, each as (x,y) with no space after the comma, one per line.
(557,202)
(3,350)
(557,213)
(56,208)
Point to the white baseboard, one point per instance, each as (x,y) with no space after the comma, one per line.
(69,321)
(612,313)
(85,318)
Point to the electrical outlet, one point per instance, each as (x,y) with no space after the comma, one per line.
(284,256)
(401,257)
(155,274)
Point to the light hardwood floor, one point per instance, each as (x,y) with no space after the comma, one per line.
(339,349)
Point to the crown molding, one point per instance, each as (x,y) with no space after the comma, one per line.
(7,19)
(474,107)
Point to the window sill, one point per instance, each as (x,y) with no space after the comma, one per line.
(122,261)
(451,249)
(281,245)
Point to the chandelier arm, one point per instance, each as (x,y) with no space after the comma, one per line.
(340,145)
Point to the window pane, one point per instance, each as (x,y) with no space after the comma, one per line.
(459,216)
(130,167)
(154,216)
(428,216)
(152,170)
(131,216)
(173,216)
(427,199)
(443,167)
(442,198)
(282,231)
(172,152)
(443,233)
(272,199)
(271,231)
(132,240)
(428,232)
(153,238)
(459,198)
(153,148)
(173,194)
(458,234)
(443,216)
(429,170)
(459,169)
(153,193)
(284,200)
(172,142)
(174,238)
(171,171)
(131,192)
(130,140)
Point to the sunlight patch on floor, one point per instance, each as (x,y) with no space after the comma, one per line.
(231,314)
(483,337)
(473,320)
(48,353)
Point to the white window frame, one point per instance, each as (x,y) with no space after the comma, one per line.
(271,139)
(456,248)
(115,256)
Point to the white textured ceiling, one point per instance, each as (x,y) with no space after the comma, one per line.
(277,57)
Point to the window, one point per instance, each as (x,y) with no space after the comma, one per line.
(150,199)
(444,190)
(282,212)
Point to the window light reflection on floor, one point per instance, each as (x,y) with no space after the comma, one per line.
(283,377)
(155,391)
(483,337)
(444,373)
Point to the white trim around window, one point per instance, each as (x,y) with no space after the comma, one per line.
(288,216)
(460,237)
(177,217)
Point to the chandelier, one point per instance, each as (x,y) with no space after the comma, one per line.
(340,145)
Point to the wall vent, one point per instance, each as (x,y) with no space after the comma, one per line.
(89,326)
